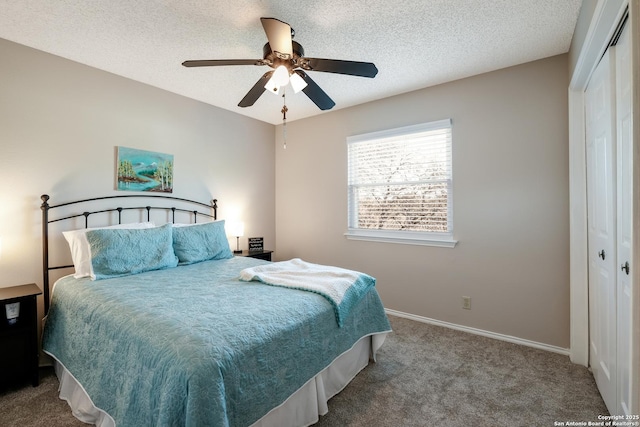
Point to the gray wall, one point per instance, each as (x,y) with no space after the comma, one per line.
(511,202)
(61,121)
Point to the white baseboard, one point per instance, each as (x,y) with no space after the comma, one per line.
(475,331)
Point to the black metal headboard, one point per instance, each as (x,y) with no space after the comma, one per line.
(46,208)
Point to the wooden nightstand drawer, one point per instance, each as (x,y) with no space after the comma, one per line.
(265,255)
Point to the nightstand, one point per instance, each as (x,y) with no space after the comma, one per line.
(19,334)
(265,255)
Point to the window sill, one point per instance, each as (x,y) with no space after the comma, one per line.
(404,238)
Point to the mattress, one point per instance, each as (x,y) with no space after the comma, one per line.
(193,345)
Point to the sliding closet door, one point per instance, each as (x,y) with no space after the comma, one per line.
(601,211)
(624,148)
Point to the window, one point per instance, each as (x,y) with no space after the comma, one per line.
(400,185)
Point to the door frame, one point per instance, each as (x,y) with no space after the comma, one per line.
(606,15)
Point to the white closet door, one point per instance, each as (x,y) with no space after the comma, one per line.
(624,148)
(601,211)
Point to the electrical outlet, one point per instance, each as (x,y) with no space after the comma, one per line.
(466,303)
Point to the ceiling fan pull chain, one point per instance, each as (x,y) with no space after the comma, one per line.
(284,119)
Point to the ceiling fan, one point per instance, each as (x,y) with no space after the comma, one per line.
(289,64)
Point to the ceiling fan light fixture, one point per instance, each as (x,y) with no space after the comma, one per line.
(281,76)
(297,82)
(272,86)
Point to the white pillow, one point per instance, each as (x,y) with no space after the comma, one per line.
(80,250)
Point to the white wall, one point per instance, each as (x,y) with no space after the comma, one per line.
(60,123)
(511,196)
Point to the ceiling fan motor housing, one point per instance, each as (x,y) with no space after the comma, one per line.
(274,59)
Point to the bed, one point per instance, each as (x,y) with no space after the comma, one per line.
(177,338)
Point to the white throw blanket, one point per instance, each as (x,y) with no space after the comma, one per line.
(342,287)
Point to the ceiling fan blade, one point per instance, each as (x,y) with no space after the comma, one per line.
(254,93)
(279,36)
(219,62)
(313,91)
(352,68)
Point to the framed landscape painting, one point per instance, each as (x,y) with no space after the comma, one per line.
(140,170)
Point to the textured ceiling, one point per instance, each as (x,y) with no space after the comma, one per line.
(414,43)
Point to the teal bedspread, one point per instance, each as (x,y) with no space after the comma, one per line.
(195,346)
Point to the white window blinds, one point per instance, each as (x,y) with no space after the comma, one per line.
(400,180)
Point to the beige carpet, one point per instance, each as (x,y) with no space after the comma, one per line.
(36,406)
(425,376)
(433,376)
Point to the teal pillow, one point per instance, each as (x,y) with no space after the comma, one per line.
(120,252)
(201,242)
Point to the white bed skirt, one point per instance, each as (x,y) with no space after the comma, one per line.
(301,409)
